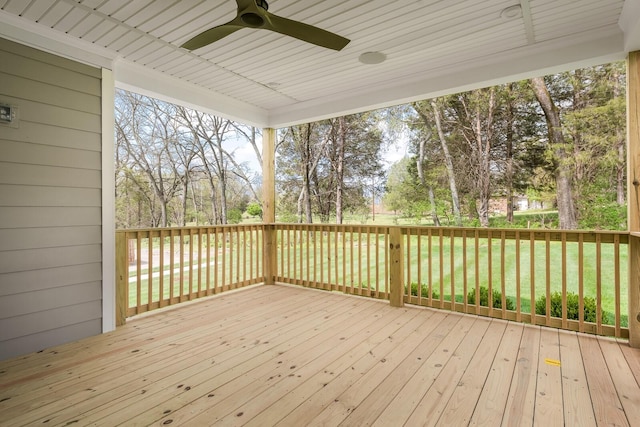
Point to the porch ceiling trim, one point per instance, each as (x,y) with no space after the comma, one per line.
(609,44)
(629,22)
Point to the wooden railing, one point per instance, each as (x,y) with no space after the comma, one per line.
(164,266)
(578,279)
(570,280)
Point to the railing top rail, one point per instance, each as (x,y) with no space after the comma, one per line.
(191,228)
(587,236)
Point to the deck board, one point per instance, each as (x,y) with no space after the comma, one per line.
(281,355)
(578,410)
(549,408)
(490,406)
(605,401)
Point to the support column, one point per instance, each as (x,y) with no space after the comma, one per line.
(633,193)
(122,278)
(269,205)
(108,196)
(396,268)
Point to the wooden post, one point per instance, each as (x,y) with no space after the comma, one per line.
(633,193)
(122,278)
(396,273)
(270,264)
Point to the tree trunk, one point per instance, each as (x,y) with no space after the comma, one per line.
(432,197)
(509,153)
(215,218)
(620,172)
(483,151)
(621,165)
(434,211)
(448,164)
(566,209)
(340,142)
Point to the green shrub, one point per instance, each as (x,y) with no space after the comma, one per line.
(573,306)
(234,216)
(254,209)
(425,291)
(484,298)
(603,216)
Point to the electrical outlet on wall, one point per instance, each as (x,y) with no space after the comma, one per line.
(9,115)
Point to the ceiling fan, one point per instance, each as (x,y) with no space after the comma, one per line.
(255,14)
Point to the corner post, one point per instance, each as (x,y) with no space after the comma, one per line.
(270,264)
(122,278)
(633,193)
(396,273)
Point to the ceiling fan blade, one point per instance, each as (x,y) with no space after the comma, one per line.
(305,32)
(254,14)
(212,35)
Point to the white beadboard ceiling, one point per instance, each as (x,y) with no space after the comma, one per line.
(433,47)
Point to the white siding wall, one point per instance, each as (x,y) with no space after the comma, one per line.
(50,201)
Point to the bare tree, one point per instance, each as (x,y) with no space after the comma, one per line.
(145,133)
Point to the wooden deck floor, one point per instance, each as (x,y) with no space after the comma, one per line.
(278,355)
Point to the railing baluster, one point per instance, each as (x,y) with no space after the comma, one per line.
(172,266)
(564,280)
(225,266)
(616,257)
(149,270)
(191,260)
(242,243)
(310,255)
(161,299)
(139,272)
(216,284)
(598,285)
(430,266)
(199,264)
(377,252)
(477,265)
(547,258)
(581,283)
(490,272)
(385,254)
(360,260)
(288,252)
(407,265)
(351,249)
(419,265)
(452,269)
(181,266)
(532,276)
(336,237)
(441,265)
(503,287)
(321,258)
(518,283)
(208,261)
(464,272)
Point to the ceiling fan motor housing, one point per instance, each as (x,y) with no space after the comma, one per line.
(252,19)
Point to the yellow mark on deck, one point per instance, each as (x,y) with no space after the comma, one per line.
(552,362)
